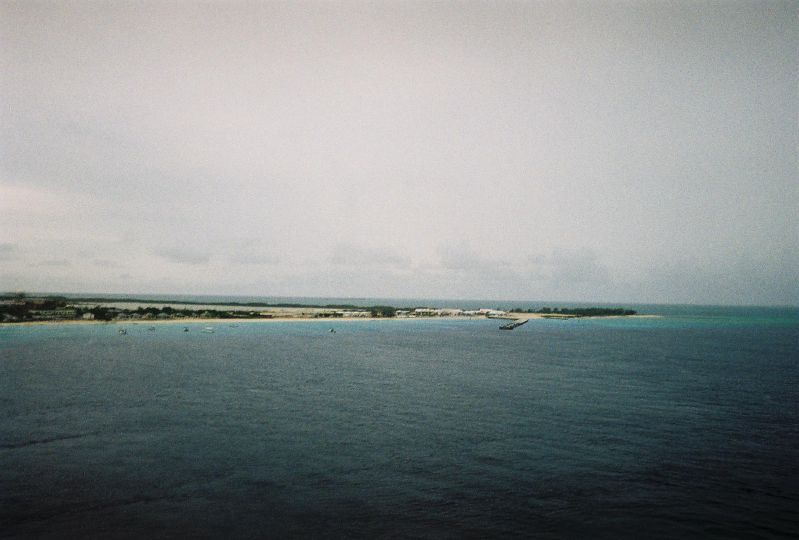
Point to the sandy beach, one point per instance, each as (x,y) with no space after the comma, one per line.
(198,320)
(328,320)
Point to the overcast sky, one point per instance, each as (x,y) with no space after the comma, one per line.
(586,151)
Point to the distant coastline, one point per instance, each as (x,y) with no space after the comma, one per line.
(23,309)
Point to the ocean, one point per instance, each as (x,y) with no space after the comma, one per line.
(682,425)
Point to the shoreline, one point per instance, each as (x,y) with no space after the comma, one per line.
(197,320)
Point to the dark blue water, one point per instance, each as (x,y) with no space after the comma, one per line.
(686,425)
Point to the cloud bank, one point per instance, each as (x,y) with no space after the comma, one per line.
(573,151)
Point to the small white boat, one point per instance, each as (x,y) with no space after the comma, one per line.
(122,332)
(208,330)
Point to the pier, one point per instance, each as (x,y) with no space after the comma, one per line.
(511,325)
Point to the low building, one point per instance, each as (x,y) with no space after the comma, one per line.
(350,314)
(53,314)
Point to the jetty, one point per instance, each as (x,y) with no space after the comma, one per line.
(515,324)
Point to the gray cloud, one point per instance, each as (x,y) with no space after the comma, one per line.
(106,263)
(567,266)
(461,256)
(560,273)
(747,281)
(350,255)
(54,263)
(8,251)
(254,258)
(183,255)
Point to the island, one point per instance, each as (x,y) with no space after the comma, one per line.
(24,308)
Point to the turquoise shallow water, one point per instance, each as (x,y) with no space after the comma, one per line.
(683,425)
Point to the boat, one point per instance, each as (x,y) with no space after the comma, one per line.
(332,331)
(185,328)
(208,330)
(122,332)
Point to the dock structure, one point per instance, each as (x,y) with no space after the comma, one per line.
(514,324)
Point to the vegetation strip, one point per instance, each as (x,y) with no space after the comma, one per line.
(22,308)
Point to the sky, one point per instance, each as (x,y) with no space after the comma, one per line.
(638,152)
